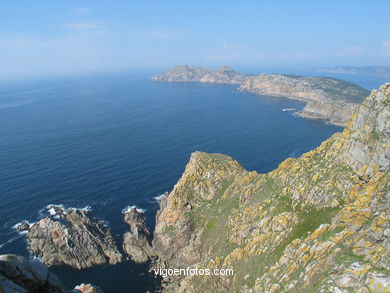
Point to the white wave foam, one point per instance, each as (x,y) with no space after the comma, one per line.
(51,208)
(159,197)
(129,208)
(86,209)
(15,227)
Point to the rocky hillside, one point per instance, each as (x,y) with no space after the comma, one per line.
(318,223)
(186,73)
(327,98)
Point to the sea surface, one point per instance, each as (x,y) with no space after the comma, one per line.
(121,140)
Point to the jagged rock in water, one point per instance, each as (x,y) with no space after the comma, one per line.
(76,240)
(136,242)
(23,226)
(318,223)
(87,288)
(20,275)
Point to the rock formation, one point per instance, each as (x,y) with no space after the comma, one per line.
(136,242)
(318,223)
(75,239)
(21,275)
(327,98)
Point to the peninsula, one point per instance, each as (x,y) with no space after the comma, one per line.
(327,98)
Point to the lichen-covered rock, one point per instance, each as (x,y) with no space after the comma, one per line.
(318,223)
(202,180)
(76,240)
(137,242)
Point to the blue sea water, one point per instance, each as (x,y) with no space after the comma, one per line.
(114,141)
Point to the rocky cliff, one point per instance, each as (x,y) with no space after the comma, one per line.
(318,223)
(329,99)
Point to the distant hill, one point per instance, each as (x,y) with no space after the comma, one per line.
(186,73)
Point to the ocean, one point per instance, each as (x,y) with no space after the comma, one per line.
(112,141)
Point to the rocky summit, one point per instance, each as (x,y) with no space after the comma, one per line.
(329,99)
(318,223)
(76,239)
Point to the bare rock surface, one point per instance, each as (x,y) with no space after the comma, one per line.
(75,239)
(137,242)
(20,275)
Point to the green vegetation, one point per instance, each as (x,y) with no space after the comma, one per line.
(169,230)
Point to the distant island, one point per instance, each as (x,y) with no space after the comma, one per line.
(327,98)
(381,71)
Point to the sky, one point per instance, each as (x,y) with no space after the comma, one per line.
(62,37)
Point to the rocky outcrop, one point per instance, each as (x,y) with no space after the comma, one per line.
(328,99)
(175,236)
(20,275)
(186,73)
(318,223)
(76,239)
(136,242)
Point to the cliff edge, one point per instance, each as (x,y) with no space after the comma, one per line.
(318,223)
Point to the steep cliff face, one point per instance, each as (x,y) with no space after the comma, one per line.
(327,98)
(319,223)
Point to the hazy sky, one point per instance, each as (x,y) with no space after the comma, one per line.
(51,37)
